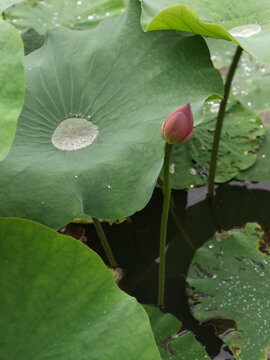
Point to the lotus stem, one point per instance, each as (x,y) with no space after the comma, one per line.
(164,221)
(105,243)
(221,114)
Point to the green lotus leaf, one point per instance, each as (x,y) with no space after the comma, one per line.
(76,14)
(59,301)
(251,83)
(245,22)
(171,345)
(12,84)
(88,140)
(7,3)
(241,138)
(260,171)
(229,279)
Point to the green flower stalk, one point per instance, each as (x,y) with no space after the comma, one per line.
(219,123)
(105,244)
(176,130)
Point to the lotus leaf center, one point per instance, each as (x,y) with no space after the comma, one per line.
(74,134)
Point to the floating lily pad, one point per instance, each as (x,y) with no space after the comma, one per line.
(222,52)
(113,86)
(59,301)
(246,23)
(240,140)
(260,171)
(78,14)
(251,83)
(12,84)
(229,278)
(171,344)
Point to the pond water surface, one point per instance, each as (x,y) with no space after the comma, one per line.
(135,244)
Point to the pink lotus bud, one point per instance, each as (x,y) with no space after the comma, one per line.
(178,128)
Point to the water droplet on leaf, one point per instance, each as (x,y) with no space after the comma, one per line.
(172,168)
(74,134)
(193,171)
(245,30)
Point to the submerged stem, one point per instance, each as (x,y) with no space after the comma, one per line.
(182,231)
(221,114)
(104,242)
(175,218)
(164,221)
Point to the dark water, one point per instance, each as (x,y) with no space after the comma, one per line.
(136,246)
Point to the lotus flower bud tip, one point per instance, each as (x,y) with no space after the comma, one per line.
(178,128)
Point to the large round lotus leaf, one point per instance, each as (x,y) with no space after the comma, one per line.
(260,171)
(171,344)
(59,301)
(246,22)
(77,14)
(116,85)
(229,279)
(241,134)
(251,82)
(11,84)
